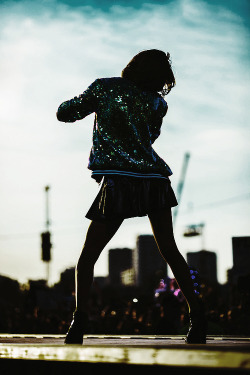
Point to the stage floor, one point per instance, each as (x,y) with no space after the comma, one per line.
(220,352)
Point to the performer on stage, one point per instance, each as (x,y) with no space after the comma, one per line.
(135,180)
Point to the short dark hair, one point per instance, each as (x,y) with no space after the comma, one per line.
(151,70)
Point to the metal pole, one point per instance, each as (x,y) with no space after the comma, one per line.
(47,207)
(47,224)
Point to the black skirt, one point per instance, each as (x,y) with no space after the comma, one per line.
(122,197)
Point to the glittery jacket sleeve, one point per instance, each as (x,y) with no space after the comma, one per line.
(80,106)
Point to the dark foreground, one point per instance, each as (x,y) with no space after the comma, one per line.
(47,354)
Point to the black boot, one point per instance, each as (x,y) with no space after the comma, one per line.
(77,328)
(198,326)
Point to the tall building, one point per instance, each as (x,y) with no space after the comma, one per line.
(119,261)
(241,255)
(241,259)
(148,262)
(205,263)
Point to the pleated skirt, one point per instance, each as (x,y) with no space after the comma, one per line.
(122,197)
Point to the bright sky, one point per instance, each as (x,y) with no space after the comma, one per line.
(51,51)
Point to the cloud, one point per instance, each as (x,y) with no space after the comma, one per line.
(51,51)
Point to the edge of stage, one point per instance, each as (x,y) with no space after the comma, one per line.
(221,353)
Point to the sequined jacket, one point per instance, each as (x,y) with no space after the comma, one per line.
(127,122)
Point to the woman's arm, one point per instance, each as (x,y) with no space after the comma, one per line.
(80,106)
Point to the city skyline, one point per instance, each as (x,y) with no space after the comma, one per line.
(50,52)
(132,269)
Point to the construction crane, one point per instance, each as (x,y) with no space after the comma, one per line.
(194,230)
(181,184)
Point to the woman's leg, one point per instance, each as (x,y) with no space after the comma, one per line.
(98,235)
(162,227)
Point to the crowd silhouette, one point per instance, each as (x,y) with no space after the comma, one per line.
(36,308)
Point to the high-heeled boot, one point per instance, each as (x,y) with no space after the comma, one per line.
(77,328)
(198,326)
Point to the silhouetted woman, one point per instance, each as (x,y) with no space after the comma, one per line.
(135,181)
